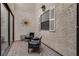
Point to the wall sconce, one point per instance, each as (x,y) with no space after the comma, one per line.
(43,8)
(25,22)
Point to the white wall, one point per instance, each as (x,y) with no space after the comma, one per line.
(24,12)
(63,39)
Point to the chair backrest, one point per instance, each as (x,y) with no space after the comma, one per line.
(31,34)
(40,38)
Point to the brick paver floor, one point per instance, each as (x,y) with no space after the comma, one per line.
(20,48)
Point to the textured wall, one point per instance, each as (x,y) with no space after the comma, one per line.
(24,12)
(63,39)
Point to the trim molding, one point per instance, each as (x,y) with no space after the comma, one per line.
(52,49)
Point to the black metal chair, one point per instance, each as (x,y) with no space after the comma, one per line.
(34,43)
(30,36)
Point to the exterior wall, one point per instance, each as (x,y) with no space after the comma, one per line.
(63,39)
(24,12)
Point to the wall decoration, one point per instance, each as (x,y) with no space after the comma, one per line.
(25,22)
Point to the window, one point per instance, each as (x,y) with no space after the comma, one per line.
(11,28)
(52,20)
(48,20)
(45,21)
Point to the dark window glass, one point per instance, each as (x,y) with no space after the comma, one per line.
(44,19)
(45,25)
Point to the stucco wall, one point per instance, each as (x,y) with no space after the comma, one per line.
(24,12)
(63,39)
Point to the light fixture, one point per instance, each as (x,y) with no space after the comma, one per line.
(43,8)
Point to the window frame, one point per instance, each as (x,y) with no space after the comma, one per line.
(50,19)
